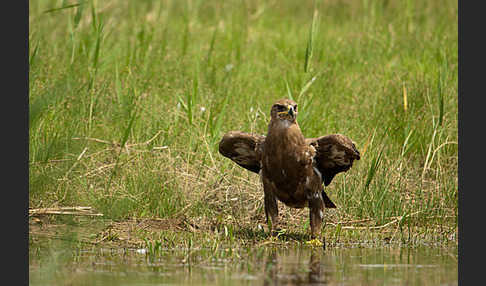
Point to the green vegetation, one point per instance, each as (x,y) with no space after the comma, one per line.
(129,99)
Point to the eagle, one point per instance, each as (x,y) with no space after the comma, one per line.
(292,168)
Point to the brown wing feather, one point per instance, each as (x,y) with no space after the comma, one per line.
(335,153)
(243,148)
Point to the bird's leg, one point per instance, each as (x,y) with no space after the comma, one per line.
(271,211)
(270,201)
(316,212)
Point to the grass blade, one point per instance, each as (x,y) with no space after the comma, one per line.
(440,98)
(118,85)
(219,120)
(79,13)
(211,47)
(312,30)
(63,8)
(124,140)
(373,168)
(405,104)
(406,146)
(93,16)
(306,87)
(289,92)
(99,32)
(34,54)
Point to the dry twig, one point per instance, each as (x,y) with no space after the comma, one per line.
(82,211)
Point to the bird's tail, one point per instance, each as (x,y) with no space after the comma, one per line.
(327,201)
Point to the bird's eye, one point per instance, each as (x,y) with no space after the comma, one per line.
(295,107)
(281,108)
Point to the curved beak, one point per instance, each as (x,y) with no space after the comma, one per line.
(291,111)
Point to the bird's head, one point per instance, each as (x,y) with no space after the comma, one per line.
(284,109)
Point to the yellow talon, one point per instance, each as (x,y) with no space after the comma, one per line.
(270,240)
(315,242)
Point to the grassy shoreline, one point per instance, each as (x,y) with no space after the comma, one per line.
(156,234)
(128,100)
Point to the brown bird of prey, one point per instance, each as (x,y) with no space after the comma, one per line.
(291,167)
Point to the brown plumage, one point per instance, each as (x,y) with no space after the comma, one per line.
(292,168)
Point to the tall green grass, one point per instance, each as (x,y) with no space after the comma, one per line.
(128,100)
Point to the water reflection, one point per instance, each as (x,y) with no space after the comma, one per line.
(361,266)
(275,273)
(60,264)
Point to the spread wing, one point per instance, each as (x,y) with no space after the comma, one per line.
(335,153)
(244,149)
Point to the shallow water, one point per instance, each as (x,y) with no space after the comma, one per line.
(266,265)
